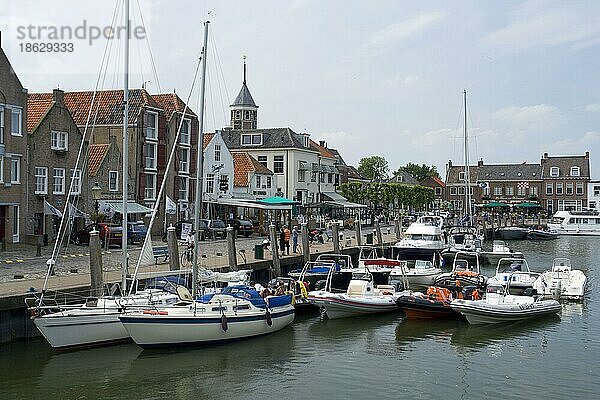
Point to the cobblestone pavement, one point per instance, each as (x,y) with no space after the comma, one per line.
(19,263)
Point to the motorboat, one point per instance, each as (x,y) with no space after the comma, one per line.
(465,272)
(378,266)
(435,303)
(580,223)
(361,298)
(562,282)
(421,241)
(298,290)
(512,232)
(236,312)
(499,306)
(539,233)
(465,238)
(421,276)
(314,271)
(521,281)
(499,250)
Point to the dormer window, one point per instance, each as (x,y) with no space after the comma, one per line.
(254,139)
(554,172)
(575,171)
(151,125)
(306,141)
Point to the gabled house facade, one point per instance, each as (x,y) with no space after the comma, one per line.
(218,168)
(565,180)
(252,180)
(594,195)
(53,141)
(456,186)
(13,153)
(439,189)
(403,177)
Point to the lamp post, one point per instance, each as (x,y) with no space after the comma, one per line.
(96,193)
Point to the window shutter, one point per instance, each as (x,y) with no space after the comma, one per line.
(162,156)
(142,180)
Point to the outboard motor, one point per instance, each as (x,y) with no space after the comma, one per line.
(555,289)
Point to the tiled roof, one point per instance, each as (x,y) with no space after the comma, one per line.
(207,138)
(404,177)
(564,164)
(323,152)
(338,156)
(171,103)
(454,171)
(354,174)
(271,138)
(97,154)
(36,111)
(509,172)
(108,103)
(244,98)
(243,164)
(438,181)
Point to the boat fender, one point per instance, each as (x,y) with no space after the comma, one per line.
(224,322)
(269,318)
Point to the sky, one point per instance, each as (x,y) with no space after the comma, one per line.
(370,78)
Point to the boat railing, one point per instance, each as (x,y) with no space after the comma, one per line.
(509,261)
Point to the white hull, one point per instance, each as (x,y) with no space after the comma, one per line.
(343,305)
(186,329)
(417,280)
(480,312)
(574,231)
(567,287)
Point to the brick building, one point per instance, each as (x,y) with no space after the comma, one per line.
(13,150)
(566,181)
(439,190)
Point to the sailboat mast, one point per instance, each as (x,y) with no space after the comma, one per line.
(199,166)
(125,171)
(467,172)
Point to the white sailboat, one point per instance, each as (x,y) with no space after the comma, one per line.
(95,322)
(236,312)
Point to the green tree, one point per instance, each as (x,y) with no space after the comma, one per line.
(374,167)
(419,172)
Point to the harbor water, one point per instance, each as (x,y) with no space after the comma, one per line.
(383,357)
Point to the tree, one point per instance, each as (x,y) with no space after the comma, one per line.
(419,172)
(374,167)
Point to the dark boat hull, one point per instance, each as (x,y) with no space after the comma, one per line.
(512,234)
(541,235)
(416,307)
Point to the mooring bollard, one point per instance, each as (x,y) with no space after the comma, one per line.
(335,230)
(38,247)
(96,277)
(378,230)
(397,229)
(173,249)
(231,252)
(274,251)
(358,229)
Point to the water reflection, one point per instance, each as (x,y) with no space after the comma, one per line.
(347,328)
(409,331)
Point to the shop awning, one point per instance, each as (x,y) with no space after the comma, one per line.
(337,200)
(117,206)
(246,203)
(527,204)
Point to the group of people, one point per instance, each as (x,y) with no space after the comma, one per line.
(284,240)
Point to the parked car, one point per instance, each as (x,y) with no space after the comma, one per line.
(216,228)
(204,231)
(242,227)
(136,232)
(110,234)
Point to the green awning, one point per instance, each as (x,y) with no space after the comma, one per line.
(528,204)
(495,204)
(277,200)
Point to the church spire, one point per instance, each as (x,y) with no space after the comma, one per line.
(243,109)
(244,70)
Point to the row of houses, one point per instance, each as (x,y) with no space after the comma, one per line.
(41,135)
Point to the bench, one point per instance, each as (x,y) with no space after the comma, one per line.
(160,251)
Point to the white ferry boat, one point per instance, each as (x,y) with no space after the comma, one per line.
(585,223)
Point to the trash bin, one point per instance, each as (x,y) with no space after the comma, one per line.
(259,252)
(370,238)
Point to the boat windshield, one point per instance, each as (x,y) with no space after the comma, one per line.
(461,265)
(512,267)
(422,264)
(494,289)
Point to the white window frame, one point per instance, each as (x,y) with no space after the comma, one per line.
(579,188)
(41,180)
(18,111)
(186,123)
(453,191)
(278,159)
(1,127)
(184,188)
(549,188)
(1,168)
(498,191)
(569,188)
(217,152)
(269,182)
(559,185)
(262,160)
(301,175)
(56,137)
(509,190)
(521,191)
(15,173)
(113,174)
(258,181)
(596,190)
(243,141)
(533,191)
(184,166)
(16,224)
(438,191)
(554,172)
(257,142)
(58,179)
(76,182)
(150,190)
(148,129)
(575,171)
(461,176)
(154,157)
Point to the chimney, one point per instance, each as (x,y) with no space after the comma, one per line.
(545,155)
(58,96)
(587,154)
(322,143)
(480,163)
(449,163)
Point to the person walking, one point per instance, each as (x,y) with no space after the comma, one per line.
(282,240)
(287,236)
(294,239)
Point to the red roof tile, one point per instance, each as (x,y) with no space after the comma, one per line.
(322,150)
(36,111)
(207,138)
(97,154)
(243,164)
(171,103)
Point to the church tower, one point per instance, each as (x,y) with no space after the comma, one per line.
(243,110)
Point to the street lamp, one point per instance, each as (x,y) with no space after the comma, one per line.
(96,194)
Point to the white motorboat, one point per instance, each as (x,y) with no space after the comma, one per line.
(519,282)
(421,240)
(500,306)
(377,266)
(499,250)
(420,277)
(580,223)
(361,298)
(234,313)
(465,272)
(562,282)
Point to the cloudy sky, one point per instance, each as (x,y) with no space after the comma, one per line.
(377,77)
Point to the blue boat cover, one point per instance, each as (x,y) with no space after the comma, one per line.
(245,292)
(278,301)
